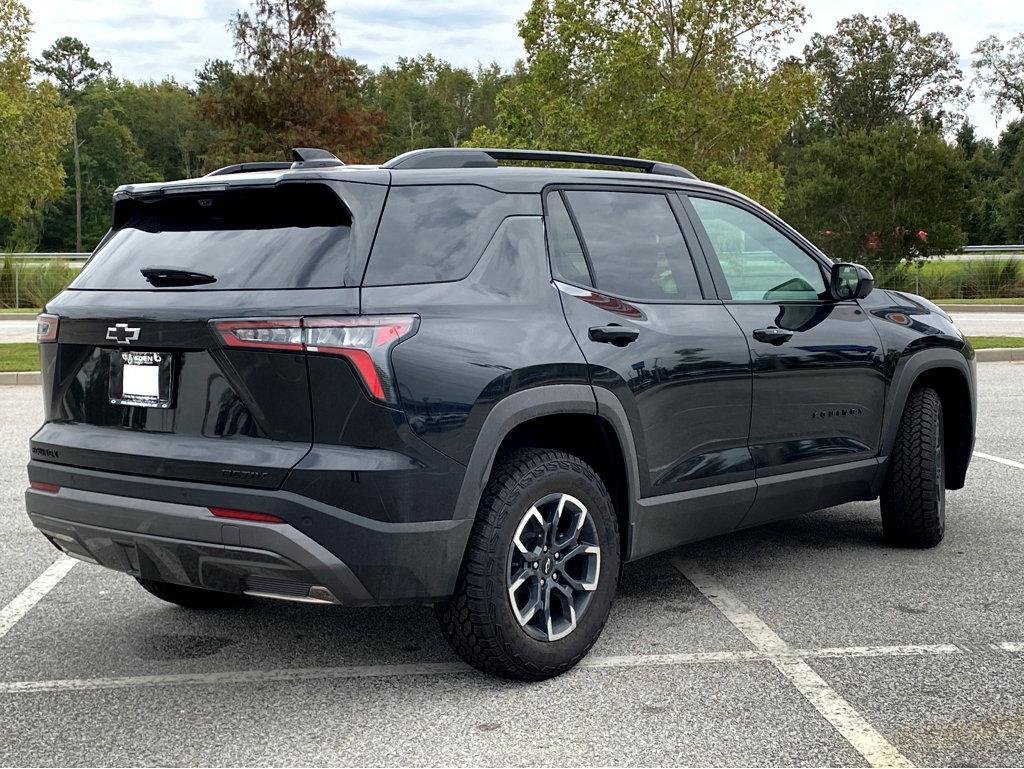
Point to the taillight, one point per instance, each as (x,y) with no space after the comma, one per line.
(46,328)
(366,340)
(49,488)
(271,334)
(245,515)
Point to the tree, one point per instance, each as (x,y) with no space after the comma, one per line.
(429,103)
(873,71)
(999,70)
(70,64)
(864,196)
(688,81)
(291,88)
(34,127)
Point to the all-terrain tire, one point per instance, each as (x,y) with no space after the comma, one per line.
(913,493)
(479,620)
(190,597)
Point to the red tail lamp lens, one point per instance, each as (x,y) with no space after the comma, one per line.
(245,515)
(366,340)
(49,488)
(46,328)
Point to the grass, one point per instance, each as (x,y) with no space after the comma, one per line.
(988,342)
(1007,300)
(19,356)
(20,310)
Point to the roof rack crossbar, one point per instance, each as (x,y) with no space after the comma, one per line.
(488,158)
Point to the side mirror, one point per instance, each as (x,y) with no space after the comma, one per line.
(850,281)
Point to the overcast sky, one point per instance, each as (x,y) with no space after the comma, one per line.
(148,39)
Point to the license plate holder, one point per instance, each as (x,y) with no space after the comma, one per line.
(140,378)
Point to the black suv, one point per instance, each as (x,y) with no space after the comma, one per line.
(443,381)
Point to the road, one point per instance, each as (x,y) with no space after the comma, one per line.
(802,643)
(971,323)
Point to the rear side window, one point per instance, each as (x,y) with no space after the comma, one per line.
(296,235)
(567,254)
(437,233)
(634,243)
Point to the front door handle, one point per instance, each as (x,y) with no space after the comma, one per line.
(773,335)
(614,334)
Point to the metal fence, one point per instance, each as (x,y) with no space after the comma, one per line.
(30,279)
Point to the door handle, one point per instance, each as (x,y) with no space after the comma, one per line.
(773,335)
(614,334)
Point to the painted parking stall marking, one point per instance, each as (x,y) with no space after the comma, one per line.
(854,728)
(1000,460)
(34,593)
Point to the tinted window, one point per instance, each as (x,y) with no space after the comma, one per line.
(566,251)
(634,243)
(289,236)
(759,262)
(435,233)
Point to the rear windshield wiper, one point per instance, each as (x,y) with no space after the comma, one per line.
(169,276)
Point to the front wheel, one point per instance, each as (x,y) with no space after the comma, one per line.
(914,491)
(540,570)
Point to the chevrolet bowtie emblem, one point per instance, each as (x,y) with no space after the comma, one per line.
(121,334)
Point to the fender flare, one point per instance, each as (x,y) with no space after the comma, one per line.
(908,370)
(544,400)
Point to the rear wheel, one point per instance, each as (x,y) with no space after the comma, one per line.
(190,597)
(914,491)
(540,569)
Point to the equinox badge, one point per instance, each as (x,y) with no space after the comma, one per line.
(121,334)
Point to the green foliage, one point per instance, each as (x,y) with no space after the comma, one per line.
(875,71)
(33,284)
(959,280)
(34,127)
(864,197)
(428,103)
(999,70)
(692,82)
(292,89)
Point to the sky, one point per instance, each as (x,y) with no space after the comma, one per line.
(148,39)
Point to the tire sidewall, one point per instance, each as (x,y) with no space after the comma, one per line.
(578,481)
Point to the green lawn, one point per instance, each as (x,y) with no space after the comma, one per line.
(1009,300)
(20,310)
(19,356)
(988,342)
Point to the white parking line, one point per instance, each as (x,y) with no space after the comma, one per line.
(31,595)
(854,728)
(288,675)
(1000,460)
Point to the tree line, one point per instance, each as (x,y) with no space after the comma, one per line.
(861,142)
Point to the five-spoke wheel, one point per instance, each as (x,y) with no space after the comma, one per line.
(554,563)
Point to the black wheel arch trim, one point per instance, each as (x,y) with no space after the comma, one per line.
(909,371)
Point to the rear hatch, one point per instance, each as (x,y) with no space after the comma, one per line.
(143,379)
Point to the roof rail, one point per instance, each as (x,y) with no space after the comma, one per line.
(488,158)
(302,157)
(243,168)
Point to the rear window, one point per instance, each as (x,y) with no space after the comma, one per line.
(298,235)
(433,234)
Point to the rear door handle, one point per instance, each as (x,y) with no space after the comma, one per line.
(773,335)
(614,334)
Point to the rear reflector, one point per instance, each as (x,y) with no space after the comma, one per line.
(366,340)
(46,328)
(244,515)
(49,488)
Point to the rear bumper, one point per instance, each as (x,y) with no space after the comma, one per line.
(163,530)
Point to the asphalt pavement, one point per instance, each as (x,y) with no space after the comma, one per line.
(803,643)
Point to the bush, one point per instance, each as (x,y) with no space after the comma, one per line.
(979,279)
(33,284)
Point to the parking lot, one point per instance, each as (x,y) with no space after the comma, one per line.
(808,642)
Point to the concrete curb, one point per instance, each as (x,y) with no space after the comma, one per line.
(20,378)
(982,307)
